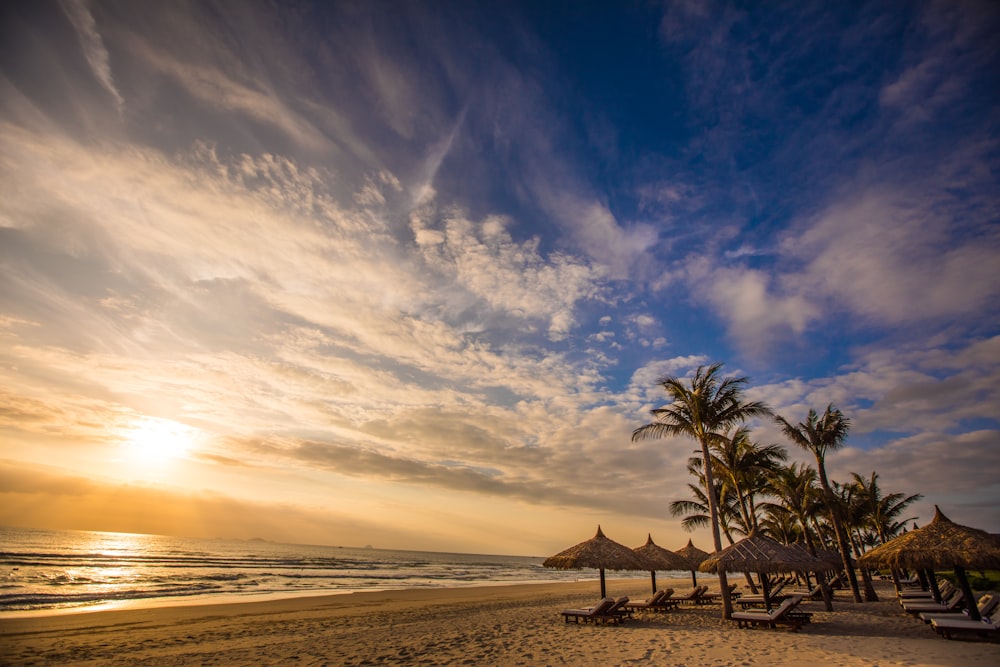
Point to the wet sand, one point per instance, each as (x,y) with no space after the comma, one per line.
(502,625)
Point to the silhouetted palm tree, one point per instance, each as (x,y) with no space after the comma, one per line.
(743,466)
(854,514)
(704,410)
(883,510)
(820,435)
(695,510)
(795,488)
(879,513)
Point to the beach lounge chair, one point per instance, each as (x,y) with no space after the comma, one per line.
(598,612)
(667,602)
(709,598)
(774,597)
(691,597)
(784,614)
(946,627)
(649,604)
(945,588)
(620,609)
(815,593)
(987,605)
(953,603)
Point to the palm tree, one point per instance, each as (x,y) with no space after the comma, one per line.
(704,410)
(695,510)
(795,488)
(883,510)
(879,512)
(854,514)
(742,466)
(820,435)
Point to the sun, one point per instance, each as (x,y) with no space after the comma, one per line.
(152,441)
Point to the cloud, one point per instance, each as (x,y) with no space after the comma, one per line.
(942,63)
(957,472)
(758,307)
(893,258)
(93,46)
(935,387)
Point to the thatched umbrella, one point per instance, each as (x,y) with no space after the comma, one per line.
(597,552)
(830,557)
(693,557)
(759,553)
(941,543)
(659,558)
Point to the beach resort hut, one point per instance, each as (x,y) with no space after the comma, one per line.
(759,553)
(600,553)
(941,543)
(693,557)
(659,558)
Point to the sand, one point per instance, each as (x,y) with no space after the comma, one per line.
(502,625)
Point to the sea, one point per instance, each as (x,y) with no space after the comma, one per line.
(52,572)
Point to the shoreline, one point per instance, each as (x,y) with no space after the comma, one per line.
(517,624)
(225,599)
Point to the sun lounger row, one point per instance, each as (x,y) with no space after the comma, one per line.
(950,617)
(661,600)
(952,603)
(665,600)
(987,606)
(945,588)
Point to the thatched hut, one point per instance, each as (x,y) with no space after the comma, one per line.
(759,553)
(600,553)
(659,558)
(941,543)
(693,557)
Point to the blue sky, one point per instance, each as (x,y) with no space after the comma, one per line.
(406,274)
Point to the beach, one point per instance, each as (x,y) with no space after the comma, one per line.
(493,625)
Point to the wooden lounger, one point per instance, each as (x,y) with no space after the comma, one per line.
(947,627)
(650,603)
(608,610)
(595,613)
(784,614)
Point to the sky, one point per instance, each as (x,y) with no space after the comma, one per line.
(407,273)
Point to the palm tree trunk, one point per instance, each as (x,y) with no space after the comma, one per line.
(838,528)
(866,577)
(820,576)
(713,511)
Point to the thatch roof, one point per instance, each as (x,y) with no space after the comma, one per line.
(597,552)
(829,556)
(759,553)
(941,543)
(660,558)
(692,555)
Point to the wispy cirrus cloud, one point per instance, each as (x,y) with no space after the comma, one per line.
(93,47)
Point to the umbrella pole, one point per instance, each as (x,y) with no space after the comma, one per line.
(694,581)
(970,600)
(652,575)
(604,593)
(766,583)
(922,578)
(932,580)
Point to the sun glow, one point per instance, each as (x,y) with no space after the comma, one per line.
(151,441)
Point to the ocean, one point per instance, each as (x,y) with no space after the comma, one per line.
(45,571)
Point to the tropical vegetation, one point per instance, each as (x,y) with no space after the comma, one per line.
(740,485)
